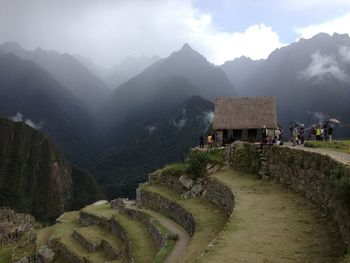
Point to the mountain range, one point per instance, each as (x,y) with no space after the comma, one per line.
(156,111)
(309,78)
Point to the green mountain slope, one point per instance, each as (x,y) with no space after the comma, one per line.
(35,177)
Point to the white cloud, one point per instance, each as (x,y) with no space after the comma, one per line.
(312,4)
(19,118)
(322,66)
(109,30)
(337,25)
(344,53)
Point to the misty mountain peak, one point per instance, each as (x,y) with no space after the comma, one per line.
(186,46)
(10,46)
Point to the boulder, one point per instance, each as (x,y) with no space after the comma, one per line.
(197,190)
(46,254)
(186,181)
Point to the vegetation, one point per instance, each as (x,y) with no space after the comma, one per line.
(145,248)
(195,165)
(209,218)
(340,146)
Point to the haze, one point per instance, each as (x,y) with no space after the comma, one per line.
(107,31)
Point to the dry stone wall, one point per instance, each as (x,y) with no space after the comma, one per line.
(167,207)
(221,195)
(319,177)
(113,226)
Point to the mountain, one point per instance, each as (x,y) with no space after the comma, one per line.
(128,68)
(68,71)
(240,70)
(310,80)
(35,178)
(29,93)
(150,143)
(183,70)
(99,71)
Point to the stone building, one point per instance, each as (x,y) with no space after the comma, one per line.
(243,118)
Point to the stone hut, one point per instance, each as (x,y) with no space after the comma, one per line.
(243,118)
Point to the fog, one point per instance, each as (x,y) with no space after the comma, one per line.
(108,31)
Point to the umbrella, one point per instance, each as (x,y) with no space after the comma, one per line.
(334,121)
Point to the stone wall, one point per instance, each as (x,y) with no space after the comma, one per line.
(66,252)
(161,178)
(87,244)
(245,157)
(221,195)
(318,177)
(167,207)
(113,226)
(144,218)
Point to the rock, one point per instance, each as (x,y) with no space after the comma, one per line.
(186,195)
(46,254)
(186,181)
(197,190)
(23,260)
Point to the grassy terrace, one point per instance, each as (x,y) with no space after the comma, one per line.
(144,246)
(210,221)
(270,224)
(339,146)
(64,230)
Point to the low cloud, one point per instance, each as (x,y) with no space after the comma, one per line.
(19,118)
(208,117)
(319,116)
(344,53)
(322,66)
(109,30)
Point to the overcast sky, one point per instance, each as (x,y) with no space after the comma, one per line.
(109,30)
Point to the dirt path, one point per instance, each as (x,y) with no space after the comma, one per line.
(343,157)
(272,224)
(181,244)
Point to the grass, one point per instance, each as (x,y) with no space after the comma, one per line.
(6,253)
(270,224)
(339,146)
(144,247)
(210,221)
(176,169)
(64,230)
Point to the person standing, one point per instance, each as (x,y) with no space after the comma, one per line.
(264,132)
(330,133)
(201,142)
(295,135)
(318,133)
(210,141)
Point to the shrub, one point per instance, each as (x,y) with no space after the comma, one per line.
(216,157)
(176,169)
(197,164)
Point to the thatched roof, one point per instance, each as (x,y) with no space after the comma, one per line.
(245,113)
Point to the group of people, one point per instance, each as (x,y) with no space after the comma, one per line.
(318,132)
(322,132)
(272,137)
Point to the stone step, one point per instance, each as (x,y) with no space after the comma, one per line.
(93,239)
(139,245)
(71,250)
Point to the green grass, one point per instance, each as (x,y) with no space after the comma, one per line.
(5,253)
(176,169)
(144,247)
(339,146)
(63,231)
(209,218)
